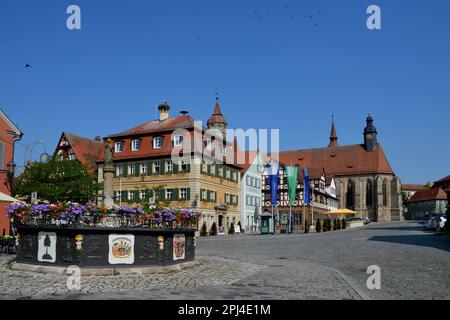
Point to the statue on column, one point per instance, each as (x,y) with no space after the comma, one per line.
(108,174)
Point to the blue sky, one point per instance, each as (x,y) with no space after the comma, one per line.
(271,69)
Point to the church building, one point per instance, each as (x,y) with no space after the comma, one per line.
(365,181)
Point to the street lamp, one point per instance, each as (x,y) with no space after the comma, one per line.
(11,170)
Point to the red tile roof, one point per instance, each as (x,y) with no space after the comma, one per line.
(412,186)
(154,126)
(339,160)
(87,150)
(447,178)
(428,195)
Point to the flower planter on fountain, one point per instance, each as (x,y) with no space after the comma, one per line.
(66,234)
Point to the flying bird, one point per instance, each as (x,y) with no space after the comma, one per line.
(28,66)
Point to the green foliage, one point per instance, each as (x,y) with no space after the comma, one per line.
(204,230)
(318,226)
(335,224)
(231,230)
(338,224)
(428,186)
(344,223)
(55,180)
(405,197)
(213,230)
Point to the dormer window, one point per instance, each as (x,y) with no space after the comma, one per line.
(135,144)
(118,146)
(157,142)
(178,141)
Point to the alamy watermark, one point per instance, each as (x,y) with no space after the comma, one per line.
(374,280)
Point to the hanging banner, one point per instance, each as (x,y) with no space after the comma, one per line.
(272,169)
(292,174)
(306,186)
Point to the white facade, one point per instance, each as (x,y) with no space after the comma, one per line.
(251,195)
(333,204)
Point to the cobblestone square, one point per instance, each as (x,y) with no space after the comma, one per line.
(414,264)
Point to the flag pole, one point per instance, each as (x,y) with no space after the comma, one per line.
(273,222)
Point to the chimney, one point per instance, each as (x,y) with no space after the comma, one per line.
(163,111)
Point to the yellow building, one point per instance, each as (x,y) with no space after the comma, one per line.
(143,160)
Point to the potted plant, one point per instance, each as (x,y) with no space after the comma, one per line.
(213,230)
(318,226)
(231,229)
(204,230)
(344,223)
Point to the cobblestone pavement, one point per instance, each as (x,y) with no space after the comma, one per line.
(414,265)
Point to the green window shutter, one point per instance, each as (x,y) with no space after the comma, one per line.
(137,172)
(125,170)
(149,168)
(163,167)
(215,196)
(217,166)
(176,194)
(162,194)
(237,199)
(201,194)
(175,167)
(188,194)
(209,169)
(201,168)
(188,168)
(208,196)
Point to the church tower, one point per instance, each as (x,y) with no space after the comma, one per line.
(370,135)
(217,120)
(333,135)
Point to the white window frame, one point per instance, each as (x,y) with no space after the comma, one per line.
(183,193)
(144,168)
(118,146)
(131,169)
(130,194)
(169,166)
(155,144)
(167,193)
(178,140)
(142,194)
(135,144)
(157,164)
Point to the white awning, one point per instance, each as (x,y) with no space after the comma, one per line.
(5,197)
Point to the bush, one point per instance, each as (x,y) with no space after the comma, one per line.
(231,229)
(338,224)
(306,226)
(213,230)
(329,226)
(335,224)
(204,230)
(318,226)
(344,223)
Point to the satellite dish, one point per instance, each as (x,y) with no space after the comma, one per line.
(44,157)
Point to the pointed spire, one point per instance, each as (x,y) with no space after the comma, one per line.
(217,116)
(333,135)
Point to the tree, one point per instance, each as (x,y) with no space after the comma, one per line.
(66,180)
(428,186)
(318,226)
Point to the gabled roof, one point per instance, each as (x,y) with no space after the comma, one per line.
(412,186)
(447,178)
(86,150)
(247,157)
(13,127)
(428,195)
(155,126)
(339,160)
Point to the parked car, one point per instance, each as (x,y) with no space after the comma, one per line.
(435,222)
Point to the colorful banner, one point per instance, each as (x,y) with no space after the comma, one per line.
(291,174)
(272,169)
(306,186)
(179,247)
